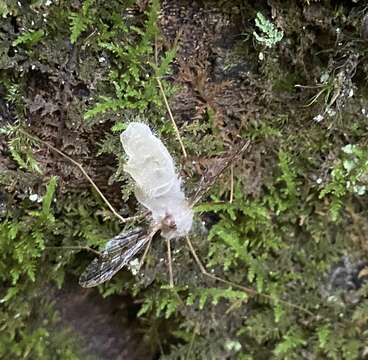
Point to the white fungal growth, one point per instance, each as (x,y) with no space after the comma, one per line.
(157,184)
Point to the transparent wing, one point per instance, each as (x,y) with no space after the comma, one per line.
(117,253)
(210,176)
(122,240)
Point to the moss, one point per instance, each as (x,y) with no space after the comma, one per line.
(75,74)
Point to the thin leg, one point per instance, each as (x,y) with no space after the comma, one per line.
(231,183)
(191,342)
(170,263)
(214,277)
(168,107)
(80,167)
(145,253)
(151,235)
(245,289)
(74,248)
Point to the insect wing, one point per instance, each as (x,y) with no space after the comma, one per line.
(210,177)
(117,253)
(122,240)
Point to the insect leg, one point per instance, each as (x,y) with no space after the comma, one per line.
(145,253)
(169,262)
(247,290)
(214,277)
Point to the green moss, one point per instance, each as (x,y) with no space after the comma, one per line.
(299,194)
(28,268)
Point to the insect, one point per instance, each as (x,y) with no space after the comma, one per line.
(118,252)
(158,189)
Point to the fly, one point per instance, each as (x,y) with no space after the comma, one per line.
(123,248)
(118,252)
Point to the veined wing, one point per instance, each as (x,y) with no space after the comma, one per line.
(122,240)
(117,253)
(212,174)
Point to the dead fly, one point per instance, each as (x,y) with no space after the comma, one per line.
(119,252)
(158,188)
(121,249)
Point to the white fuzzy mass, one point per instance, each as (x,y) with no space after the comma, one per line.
(158,187)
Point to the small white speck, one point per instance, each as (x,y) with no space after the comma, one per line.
(48,2)
(33,197)
(351,93)
(318,118)
(101,59)
(319,181)
(33,67)
(324,78)
(134,266)
(331,112)
(261,56)
(364,111)
(19,4)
